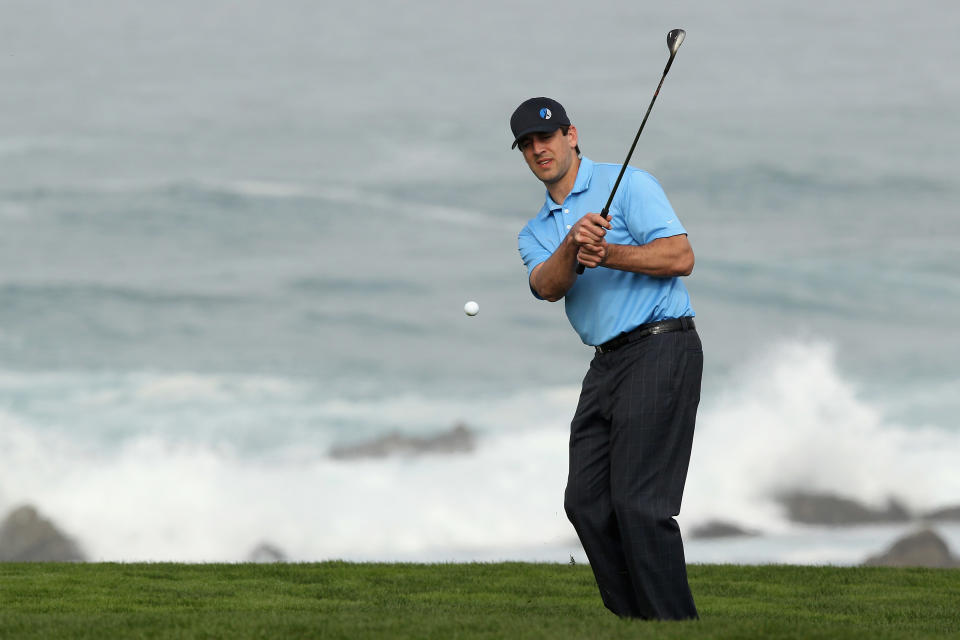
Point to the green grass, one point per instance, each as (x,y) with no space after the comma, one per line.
(511,600)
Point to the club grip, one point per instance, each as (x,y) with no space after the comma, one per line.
(606,214)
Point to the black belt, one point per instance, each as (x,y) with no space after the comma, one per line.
(644,330)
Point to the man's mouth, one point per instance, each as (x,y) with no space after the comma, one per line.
(545,162)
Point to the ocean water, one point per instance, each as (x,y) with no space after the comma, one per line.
(236,235)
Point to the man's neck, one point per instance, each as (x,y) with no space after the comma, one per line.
(560,190)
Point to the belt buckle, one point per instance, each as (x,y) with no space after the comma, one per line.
(601,350)
(657,329)
(615,343)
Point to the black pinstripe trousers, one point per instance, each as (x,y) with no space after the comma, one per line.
(630,443)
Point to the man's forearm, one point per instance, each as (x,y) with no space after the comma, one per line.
(554,277)
(664,257)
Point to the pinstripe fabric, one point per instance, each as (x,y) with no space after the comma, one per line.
(630,443)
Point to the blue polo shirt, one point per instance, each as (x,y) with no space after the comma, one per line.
(603,303)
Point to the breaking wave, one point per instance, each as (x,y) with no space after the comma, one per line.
(209,466)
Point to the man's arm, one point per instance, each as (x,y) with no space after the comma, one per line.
(552,278)
(663,257)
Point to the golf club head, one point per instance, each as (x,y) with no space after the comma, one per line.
(675,39)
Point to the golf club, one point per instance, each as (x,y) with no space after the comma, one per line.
(674,40)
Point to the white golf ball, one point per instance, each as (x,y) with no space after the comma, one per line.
(471,308)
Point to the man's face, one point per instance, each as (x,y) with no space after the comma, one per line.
(549,155)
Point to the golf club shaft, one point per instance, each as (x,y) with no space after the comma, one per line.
(606,208)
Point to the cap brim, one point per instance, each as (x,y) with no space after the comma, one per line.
(545,128)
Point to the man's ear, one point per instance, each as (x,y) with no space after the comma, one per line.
(572,136)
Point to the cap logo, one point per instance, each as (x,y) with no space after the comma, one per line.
(545,113)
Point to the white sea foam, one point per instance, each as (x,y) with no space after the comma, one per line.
(13,211)
(153,500)
(266,189)
(460,216)
(372,198)
(788,419)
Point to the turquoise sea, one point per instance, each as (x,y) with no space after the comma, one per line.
(234,235)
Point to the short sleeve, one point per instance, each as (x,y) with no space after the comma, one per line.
(649,215)
(532,252)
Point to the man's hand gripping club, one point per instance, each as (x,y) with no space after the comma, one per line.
(583,244)
(588,235)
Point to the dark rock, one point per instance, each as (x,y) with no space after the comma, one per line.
(265,553)
(458,440)
(720,529)
(944,514)
(829,509)
(921,549)
(26,536)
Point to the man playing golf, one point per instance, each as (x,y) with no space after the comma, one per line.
(632,432)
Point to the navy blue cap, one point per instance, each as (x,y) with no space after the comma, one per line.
(537,115)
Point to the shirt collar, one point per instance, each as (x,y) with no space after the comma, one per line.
(584,173)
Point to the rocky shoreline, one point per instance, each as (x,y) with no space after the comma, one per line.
(459,439)
(26,535)
(834,510)
(923,547)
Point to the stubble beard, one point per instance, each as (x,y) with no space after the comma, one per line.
(558,170)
